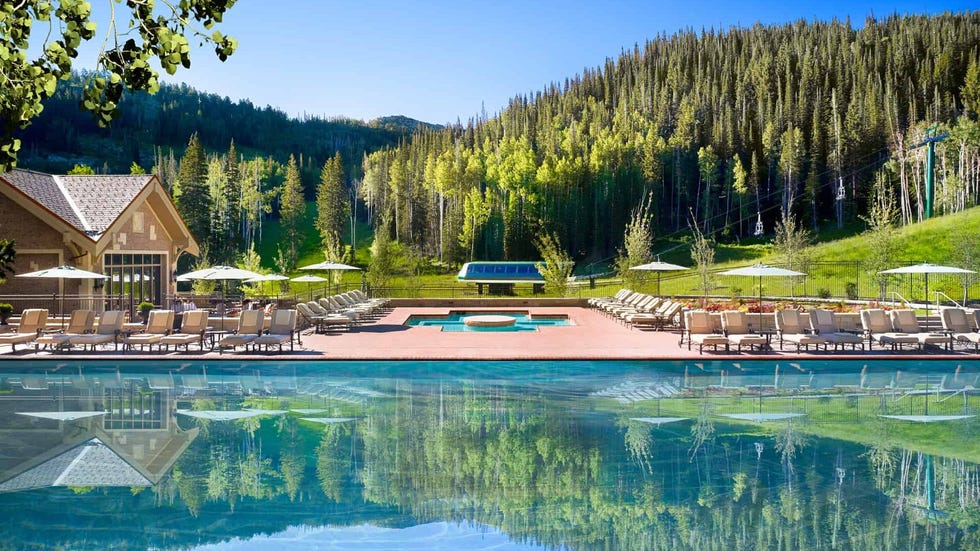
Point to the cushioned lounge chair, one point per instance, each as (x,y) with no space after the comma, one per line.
(736,326)
(250,324)
(32,323)
(822,323)
(159,324)
(960,327)
(193,327)
(281,331)
(698,329)
(110,324)
(81,322)
(905,321)
(320,322)
(789,328)
(878,329)
(666,314)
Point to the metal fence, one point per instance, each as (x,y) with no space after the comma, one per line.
(837,281)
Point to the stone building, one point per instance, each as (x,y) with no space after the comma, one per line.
(126,227)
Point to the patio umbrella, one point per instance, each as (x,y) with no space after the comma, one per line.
(925,269)
(329,267)
(219,273)
(266,278)
(229,415)
(660,268)
(762,270)
(63,272)
(309,280)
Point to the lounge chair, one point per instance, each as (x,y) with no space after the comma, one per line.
(159,324)
(110,324)
(596,302)
(822,323)
(250,324)
(736,326)
(321,322)
(699,330)
(960,327)
(282,330)
(662,317)
(381,302)
(905,321)
(878,329)
(193,327)
(32,323)
(81,322)
(790,329)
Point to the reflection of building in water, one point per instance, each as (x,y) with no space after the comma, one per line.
(88,431)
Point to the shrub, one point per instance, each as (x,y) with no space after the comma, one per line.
(851,290)
(823,293)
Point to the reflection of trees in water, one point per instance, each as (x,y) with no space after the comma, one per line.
(562,477)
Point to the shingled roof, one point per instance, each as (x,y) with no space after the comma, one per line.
(89,203)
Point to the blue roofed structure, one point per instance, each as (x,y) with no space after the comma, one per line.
(501,276)
(500,272)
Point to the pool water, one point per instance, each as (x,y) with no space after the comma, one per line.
(490,455)
(455,322)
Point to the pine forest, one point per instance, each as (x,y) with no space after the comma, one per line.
(712,130)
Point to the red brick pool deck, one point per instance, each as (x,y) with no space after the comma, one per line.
(592,336)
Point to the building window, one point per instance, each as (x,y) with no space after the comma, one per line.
(137,222)
(133,278)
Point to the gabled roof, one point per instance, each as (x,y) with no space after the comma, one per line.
(90,464)
(90,204)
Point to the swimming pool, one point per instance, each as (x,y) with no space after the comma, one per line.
(458,321)
(473,455)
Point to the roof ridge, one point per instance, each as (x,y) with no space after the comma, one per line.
(71,202)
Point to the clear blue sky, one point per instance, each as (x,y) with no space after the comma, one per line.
(439,60)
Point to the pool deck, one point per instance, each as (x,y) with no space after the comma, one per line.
(592,336)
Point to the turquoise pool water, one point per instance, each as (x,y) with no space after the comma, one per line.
(455,322)
(489,455)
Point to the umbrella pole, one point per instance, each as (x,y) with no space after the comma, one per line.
(760,303)
(658,284)
(62,307)
(927,294)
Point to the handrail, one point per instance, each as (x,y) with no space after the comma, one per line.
(895,294)
(950,299)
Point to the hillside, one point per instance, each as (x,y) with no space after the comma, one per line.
(64,135)
(717,128)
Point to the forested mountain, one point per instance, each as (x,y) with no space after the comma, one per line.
(716,127)
(64,134)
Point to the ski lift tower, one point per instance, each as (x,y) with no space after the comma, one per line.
(930,140)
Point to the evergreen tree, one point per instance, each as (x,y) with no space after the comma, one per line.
(194,200)
(332,202)
(292,208)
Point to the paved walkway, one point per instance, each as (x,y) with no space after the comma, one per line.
(592,336)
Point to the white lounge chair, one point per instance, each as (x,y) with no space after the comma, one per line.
(905,321)
(32,323)
(159,324)
(823,323)
(789,328)
(193,327)
(736,327)
(699,330)
(81,322)
(250,324)
(281,331)
(110,324)
(878,329)
(960,326)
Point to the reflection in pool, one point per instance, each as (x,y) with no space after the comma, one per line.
(473,455)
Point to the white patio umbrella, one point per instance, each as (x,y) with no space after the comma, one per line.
(660,268)
(309,280)
(760,271)
(63,272)
(925,269)
(219,273)
(329,267)
(229,415)
(267,278)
